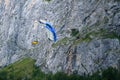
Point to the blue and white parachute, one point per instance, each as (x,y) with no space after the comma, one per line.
(50,30)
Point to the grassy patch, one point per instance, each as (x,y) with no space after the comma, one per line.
(85,37)
(25,70)
(61,42)
(112,35)
(101,33)
(77,37)
(18,70)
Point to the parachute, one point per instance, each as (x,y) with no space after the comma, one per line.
(51,34)
(50,30)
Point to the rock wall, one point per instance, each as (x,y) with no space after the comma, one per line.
(88,33)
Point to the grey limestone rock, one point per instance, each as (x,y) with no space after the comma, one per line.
(95,46)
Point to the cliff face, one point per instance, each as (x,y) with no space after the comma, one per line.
(88,33)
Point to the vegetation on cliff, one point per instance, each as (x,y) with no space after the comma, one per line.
(26,70)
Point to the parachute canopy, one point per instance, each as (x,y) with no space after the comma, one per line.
(50,30)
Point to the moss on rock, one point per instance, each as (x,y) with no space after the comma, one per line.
(61,42)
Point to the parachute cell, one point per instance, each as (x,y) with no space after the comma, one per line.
(50,30)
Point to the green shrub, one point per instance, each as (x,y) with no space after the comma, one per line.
(74,32)
(111,74)
(3,75)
